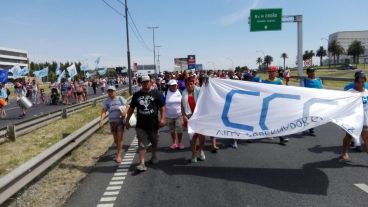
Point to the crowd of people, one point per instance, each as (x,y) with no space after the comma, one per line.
(170,99)
(66,92)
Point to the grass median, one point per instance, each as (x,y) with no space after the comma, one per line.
(27,146)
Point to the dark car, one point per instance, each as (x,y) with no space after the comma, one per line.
(347,67)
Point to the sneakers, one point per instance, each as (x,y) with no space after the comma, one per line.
(202,157)
(154,161)
(311,132)
(181,146)
(283,140)
(193,160)
(141,168)
(173,146)
(235,144)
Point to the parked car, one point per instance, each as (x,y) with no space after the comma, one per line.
(347,67)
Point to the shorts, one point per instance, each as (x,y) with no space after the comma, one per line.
(175,124)
(287,79)
(116,127)
(79,93)
(2,103)
(145,137)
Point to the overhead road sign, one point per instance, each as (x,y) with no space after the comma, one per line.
(265,20)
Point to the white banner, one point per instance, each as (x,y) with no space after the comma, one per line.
(248,110)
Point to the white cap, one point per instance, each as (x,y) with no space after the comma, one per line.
(145,78)
(172,82)
(111,88)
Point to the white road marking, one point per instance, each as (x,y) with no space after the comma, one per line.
(117,180)
(362,187)
(106,199)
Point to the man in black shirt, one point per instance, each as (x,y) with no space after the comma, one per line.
(148,102)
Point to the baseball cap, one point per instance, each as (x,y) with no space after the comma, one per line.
(359,74)
(310,70)
(272,69)
(111,88)
(145,78)
(172,82)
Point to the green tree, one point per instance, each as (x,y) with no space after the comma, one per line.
(336,50)
(268,59)
(321,52)
(284,56)
(259,62)
(355,50)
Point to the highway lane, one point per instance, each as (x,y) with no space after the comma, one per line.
(13,110)
(305,172)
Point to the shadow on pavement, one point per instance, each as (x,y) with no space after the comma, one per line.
(334,149)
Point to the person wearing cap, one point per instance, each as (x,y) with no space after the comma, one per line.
(351,84)
(287,75)
(359,87)
(148,103)
(174,116)
(272,79)
(256,78)
(115,106)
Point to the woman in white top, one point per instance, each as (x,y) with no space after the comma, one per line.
(173,114)
(35,92)
(359,87)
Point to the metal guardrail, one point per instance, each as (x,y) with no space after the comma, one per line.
(17,179)
(29,125)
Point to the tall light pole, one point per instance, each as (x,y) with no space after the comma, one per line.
(154,46)
(158,58)
(128,48)
(329,59)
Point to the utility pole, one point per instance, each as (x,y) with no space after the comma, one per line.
(128,48)
(158,58)
(154,46)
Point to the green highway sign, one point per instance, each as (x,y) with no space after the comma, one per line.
(265,20)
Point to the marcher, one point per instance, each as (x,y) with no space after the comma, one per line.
(359,87)
(312,82)
(272,79)
(189,100)
(102,85)
(287,76)
(173,114)
(3,100)
(19,90)
(94,85)
(35,92)
(113,104)
(148,103)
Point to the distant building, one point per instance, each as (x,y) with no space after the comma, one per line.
(10,57)
(145,70)
(345,38)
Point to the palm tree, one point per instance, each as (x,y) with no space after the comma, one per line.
(259,62)
(284,56)
(306,55)
(336,50)
(356,49)
(311,54)
(268,59)
(321,52)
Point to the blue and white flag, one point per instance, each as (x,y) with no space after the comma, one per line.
(3,76)
(88,75)
(84,67)
(72,70)
(25,70)
(58,69)
(15,67)
(61,76)
(17,72)
(41,73)
(97,63)
(271,110)
(103,71)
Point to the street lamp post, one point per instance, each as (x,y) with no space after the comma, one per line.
(128,48)
(154,46)
(158,58)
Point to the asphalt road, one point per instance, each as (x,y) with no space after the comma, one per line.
(305,172)
(13,110)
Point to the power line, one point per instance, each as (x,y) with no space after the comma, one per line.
(115,10)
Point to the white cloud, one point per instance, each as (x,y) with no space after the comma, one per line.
(237,16)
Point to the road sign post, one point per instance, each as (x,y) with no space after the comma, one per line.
(265,20)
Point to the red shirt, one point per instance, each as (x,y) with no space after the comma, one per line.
(191,103)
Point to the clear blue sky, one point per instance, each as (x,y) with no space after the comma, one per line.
(213,30)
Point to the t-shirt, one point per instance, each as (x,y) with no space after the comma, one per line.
(192,103)
(365,103)
(351,85)
(148,104)
(256,79)
(312,83)
(113,107)
(277,81)
(173,104)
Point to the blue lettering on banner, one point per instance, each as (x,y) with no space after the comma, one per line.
(312,101)
(225,112)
